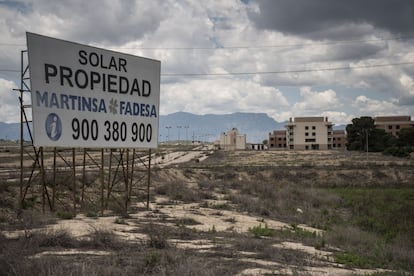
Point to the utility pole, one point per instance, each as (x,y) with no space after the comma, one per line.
(186,134)
(168,132)
(179,128)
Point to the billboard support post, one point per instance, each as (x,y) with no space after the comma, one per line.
(102,181)
(85,97)
(149,179)
(74,180)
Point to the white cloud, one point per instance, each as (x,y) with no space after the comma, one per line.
(126,25)
(372,107)
(407,84)
(314,101)
(9,103)
(338,118)
(203,96)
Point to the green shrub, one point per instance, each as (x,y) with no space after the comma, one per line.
(152,259)
(259,231)
(186,221)
(65,215)
(353,259)
(398,151)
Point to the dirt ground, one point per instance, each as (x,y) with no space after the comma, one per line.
(213,219)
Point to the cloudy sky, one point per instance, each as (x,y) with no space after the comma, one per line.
(286,58)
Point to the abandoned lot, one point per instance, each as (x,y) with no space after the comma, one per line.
(225,213)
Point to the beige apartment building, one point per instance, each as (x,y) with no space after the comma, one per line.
(309,133)
(393,124)
(339,139)
(232,140)
(277,139)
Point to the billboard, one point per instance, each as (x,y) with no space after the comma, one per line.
(88,97)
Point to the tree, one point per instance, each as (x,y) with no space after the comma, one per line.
(406,137)
(358,132)
(380,140)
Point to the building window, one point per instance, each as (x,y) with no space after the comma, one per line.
(339,145)
(306,134)
(306,127)
(389,127)
(314,127)
(307,147)
(310,140)
(339,138)
(397,126)
(313,134)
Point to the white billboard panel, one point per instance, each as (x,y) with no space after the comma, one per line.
(89,97)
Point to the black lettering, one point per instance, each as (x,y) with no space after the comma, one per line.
(122,64)
(111,83)
(65,73)
(146,88)
(101,62)
(123,85)
(104,82)
(93,59)
(82,57)
(95,79)
(112,63)
(77,78)
(50,71)
(135,87)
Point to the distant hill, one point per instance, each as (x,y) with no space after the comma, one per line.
(188,126)
(208,127)
(12,131)
(185,126)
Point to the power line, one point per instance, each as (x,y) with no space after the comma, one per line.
(10,70)
(287,71)
(338,42)
(368,66)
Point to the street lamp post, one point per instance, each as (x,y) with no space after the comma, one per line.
(179,127)
(168,132)
(186,133)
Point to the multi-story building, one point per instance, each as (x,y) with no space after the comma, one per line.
(393,124)
(277,139)
(232,140)
(309,133)
(339,139)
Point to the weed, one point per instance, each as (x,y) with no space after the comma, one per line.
(231,220)
(354,260)
(102,238)
(65,215)
(259,231)
(60,238)
(121,221)
(157,235)
(212,230)
(186,221)
(152,259)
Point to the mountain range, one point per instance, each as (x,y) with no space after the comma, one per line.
(187,126)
